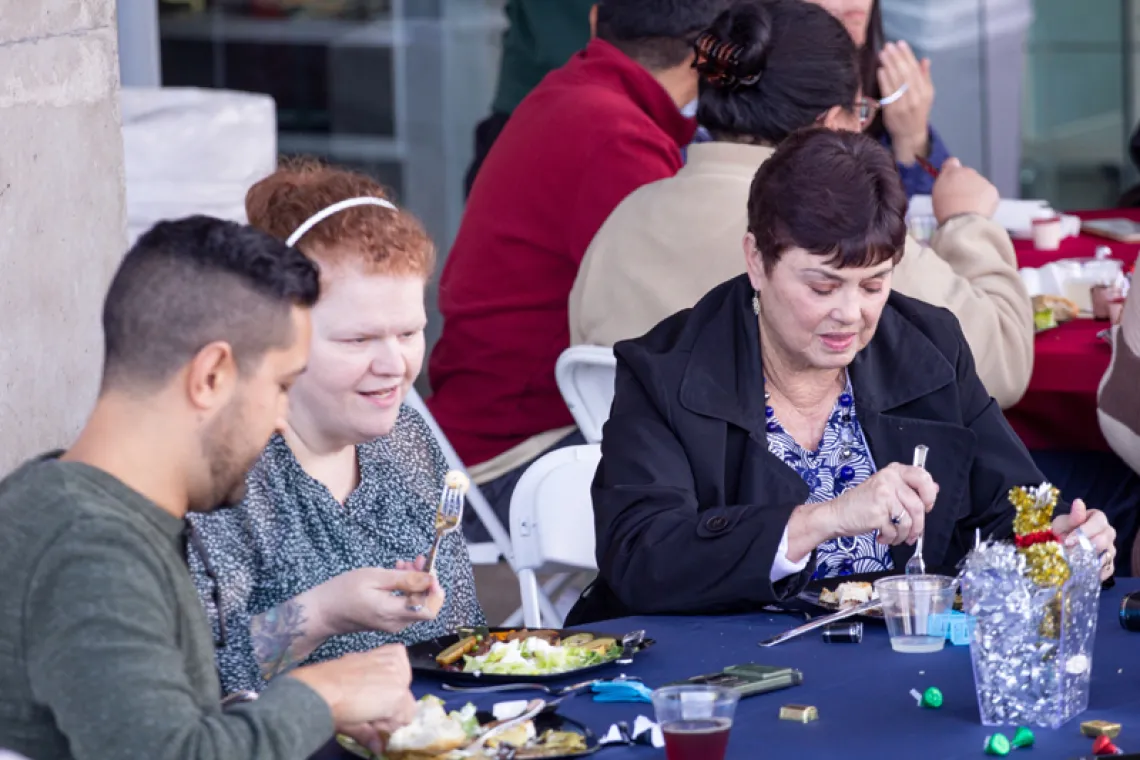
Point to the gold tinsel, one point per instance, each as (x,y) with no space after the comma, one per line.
(1034,507)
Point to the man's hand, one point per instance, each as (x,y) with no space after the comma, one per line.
(368,693)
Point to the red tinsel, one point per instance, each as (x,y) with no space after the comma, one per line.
(1029,539)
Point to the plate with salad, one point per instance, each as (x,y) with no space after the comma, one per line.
(514,655)
(437,733)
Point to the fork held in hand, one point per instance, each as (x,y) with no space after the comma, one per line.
(915,565)
(450,514)
(448,518)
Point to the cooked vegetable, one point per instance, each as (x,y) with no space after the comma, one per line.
(601,646)
(578,640)
(455,652)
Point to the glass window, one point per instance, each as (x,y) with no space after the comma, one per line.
(393,88)
(1078,110)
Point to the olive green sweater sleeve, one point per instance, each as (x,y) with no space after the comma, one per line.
(110,654)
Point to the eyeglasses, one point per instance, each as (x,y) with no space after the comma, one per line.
(866,108)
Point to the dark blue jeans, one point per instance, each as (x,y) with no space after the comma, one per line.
(1106,483)
(499,492)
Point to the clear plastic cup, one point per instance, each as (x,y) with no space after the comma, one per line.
(908,603)
(695,720)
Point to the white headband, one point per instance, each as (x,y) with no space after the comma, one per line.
(325,213)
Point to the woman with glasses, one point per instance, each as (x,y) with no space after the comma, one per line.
(890,71)
(770,68)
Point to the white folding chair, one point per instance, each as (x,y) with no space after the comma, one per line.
(500,544)
(552,527)
(585,377)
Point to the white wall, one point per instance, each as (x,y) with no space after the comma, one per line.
(62,224)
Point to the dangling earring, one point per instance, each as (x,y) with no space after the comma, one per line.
(756,302)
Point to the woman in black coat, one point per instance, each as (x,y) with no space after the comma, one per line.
(765,436)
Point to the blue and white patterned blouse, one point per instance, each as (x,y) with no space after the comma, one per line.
(842,461)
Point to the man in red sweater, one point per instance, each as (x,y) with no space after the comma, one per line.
(593,131)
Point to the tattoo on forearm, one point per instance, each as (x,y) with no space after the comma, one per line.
(274,633)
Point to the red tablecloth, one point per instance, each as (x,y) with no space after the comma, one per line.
(1058,411)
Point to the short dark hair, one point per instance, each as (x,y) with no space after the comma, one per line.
(779,66)
(832,193)
(187,283)
(658,34)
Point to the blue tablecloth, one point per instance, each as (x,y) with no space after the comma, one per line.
(862,691)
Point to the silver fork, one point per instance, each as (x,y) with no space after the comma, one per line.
(915,565)
(448,518)
(533,708)
(450,513)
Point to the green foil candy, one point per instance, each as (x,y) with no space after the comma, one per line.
(997,745)
(932,698)
(1023,738)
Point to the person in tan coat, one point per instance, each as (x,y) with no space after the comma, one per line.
(1118,398)
(1118,411)
(671,241)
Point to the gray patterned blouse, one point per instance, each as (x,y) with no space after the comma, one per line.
(290,535)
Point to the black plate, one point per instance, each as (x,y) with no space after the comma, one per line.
(810,595)
(808,600)
(423,655)
(547,721)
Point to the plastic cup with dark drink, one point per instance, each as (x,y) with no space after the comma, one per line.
(695,720)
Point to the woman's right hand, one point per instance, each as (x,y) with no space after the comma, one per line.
(363,600)
(897,491)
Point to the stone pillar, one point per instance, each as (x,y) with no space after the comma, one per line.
(62,220)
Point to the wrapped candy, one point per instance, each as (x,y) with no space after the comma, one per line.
(1022,738)
(1035,608)
(931,698)
(1033,534)
(997,745)
(1104,746)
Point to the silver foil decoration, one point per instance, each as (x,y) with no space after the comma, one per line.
(1032,646)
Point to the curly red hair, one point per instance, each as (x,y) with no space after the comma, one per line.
(377,239)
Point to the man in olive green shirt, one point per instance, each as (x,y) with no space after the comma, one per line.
(105,651)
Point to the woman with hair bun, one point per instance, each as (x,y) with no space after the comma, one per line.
(771,68)
(324,555)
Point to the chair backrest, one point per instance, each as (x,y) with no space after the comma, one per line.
(552,516)
(585,376)
(475,497)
